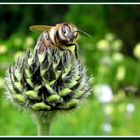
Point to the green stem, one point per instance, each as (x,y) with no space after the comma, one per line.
(136,74)
(44,121)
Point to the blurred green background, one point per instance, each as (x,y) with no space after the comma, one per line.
(112,57)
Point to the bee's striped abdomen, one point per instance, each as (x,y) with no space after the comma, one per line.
(44,42)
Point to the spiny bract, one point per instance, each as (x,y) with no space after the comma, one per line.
(51,80)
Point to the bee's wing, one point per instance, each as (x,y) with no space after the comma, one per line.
(40,28)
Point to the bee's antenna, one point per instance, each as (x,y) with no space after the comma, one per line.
(84,33)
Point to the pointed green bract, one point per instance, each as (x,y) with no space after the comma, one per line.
(19,98)
(31,94)
(18,75)
(41,57)
(71,104)
(43,72)
(30,61)
(28,73)
(29,82)
(53,98)
(73,83)
(40,106)
(50,89)
(18,85)
(65,92)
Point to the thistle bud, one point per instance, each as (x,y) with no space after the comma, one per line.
(47,81)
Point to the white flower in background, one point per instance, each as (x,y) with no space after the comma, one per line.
(18,41)
(109,37)
(104,93)
(136,51)
(117,45)
(103,45)
(3,49)
(130,108)
(120,73)
(107,127)
(29,41)
(117,57)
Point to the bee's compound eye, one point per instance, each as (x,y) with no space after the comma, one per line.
(74,30)
(65,29)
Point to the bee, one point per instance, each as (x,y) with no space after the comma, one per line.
(62,36)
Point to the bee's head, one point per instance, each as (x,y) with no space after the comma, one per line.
(67,33)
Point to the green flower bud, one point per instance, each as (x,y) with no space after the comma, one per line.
(48,81)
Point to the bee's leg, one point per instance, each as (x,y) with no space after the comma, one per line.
(76,51)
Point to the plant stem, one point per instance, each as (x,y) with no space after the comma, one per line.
(136,74)
(44,121)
